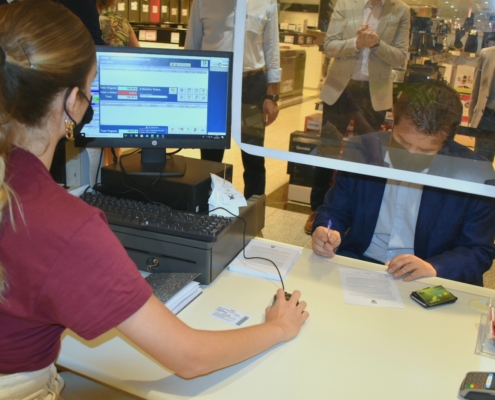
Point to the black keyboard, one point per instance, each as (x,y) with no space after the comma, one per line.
(158,218)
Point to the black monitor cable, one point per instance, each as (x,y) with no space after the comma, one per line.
(244,244)
(115,158)
(173,152)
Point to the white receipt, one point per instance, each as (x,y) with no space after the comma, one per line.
(224,195)
(369,288)
(233,317)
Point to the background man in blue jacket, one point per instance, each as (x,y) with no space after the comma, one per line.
(415,230)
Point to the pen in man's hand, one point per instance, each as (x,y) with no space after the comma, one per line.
(329,227)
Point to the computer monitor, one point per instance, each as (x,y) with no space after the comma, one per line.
(156,99)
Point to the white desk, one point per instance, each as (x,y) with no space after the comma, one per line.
(342,352)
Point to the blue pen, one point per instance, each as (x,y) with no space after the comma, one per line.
(329,227)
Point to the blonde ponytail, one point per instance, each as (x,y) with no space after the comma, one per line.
(44,49)
(6,196)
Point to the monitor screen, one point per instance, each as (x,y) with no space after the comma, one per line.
(155,99)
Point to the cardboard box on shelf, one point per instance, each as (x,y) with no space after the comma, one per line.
(464,78)
(313,123)
(465,99)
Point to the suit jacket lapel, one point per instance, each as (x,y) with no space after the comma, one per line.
(487,72)
(426,216)
(375,189)
(387,13)
(357,10)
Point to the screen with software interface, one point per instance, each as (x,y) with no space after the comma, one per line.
(159,94)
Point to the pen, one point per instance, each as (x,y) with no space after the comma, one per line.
(329,227)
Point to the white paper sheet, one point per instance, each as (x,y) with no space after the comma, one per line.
(283,255)
(369,288)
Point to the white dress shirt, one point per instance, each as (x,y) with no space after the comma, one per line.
(211,27)
(371,17)
(396,225)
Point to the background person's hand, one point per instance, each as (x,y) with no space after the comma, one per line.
(404,264)
(270,111)
(366,37)
(322,245)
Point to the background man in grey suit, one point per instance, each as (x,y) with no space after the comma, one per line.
(366,39)
(482,105)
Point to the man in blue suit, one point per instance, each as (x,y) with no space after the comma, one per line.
(415,230)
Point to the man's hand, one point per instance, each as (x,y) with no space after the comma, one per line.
(270,111)
(366,37)
(410,264)
(325,241)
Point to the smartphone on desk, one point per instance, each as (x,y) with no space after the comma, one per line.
(478,386)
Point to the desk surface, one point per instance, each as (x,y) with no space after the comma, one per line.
(343,351)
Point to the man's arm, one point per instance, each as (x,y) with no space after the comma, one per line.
(337,208)
(395,53)
(271,53)
(476,87)
(194,34)
(335,44)
(473,251)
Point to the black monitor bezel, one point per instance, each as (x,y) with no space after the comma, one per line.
(169,141)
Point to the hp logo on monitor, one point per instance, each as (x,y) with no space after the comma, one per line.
(154,142)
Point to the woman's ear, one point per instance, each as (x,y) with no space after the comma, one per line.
(71,101)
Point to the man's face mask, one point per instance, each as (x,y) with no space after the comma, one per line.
(86,119)
(401,158)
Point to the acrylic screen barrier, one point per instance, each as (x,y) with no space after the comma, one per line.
(463,175)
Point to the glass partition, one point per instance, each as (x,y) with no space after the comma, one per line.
(359,87)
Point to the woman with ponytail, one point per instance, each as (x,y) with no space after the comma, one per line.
(61,265)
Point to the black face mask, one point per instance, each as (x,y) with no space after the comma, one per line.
(87,117)
(403,159)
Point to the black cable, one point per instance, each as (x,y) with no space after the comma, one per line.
(136,189)
(115,158)
(244,244)
(173,152)
(98,168)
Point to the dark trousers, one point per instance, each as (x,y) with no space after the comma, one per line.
(355,104)
(253,132)
(486,147)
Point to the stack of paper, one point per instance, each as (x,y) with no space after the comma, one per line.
(283,255)
(225,195)
(175,290)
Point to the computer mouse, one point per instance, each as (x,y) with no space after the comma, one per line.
(287,297)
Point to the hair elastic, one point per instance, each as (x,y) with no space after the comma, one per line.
(27,57)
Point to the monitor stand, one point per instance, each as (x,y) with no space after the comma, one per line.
(153,162)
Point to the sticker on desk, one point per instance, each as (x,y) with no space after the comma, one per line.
(233,317)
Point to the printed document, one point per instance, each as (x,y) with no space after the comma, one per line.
(283,255)
(369,288)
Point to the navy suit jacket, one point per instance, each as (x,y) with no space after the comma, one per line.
(455,231)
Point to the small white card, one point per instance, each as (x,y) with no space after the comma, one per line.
(233,317)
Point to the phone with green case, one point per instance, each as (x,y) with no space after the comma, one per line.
(433,296)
